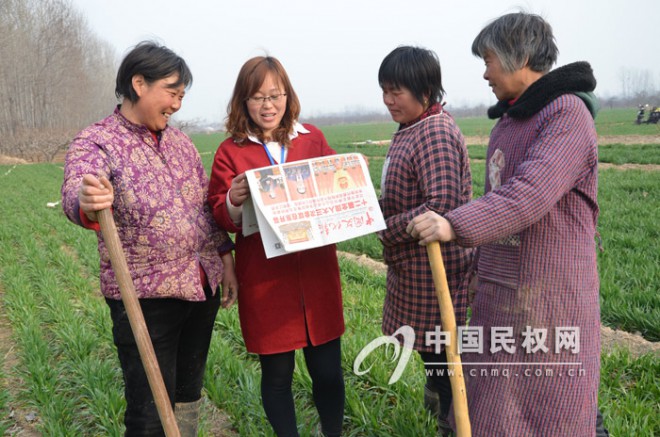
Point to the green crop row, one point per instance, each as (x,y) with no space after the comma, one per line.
(65,368)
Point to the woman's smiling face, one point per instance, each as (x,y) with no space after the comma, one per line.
(269,113)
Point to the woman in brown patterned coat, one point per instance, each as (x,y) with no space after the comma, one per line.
(537,298)
(426,169)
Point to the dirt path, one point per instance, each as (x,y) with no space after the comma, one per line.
(602,140)
(610,339)
(10,160)
(628,139)
(643,167)
(605,165)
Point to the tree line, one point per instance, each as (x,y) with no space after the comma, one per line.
(56,76)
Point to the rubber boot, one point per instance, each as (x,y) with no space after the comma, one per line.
(431,401)
(432,405)
(601,431)
(187,417)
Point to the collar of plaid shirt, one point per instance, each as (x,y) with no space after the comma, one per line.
(434,109)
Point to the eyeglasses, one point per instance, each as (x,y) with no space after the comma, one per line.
(261,100)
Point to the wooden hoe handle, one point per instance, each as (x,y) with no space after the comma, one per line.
(448,317)
(136,320)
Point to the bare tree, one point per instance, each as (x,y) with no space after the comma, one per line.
(55,78)
(637,84)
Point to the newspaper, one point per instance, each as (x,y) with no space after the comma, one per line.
(311,203)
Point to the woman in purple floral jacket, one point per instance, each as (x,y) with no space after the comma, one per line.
(152,177)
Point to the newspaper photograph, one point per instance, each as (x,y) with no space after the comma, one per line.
(311,203)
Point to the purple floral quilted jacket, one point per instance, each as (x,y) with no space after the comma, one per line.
(160,209)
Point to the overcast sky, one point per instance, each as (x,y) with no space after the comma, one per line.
(332,49)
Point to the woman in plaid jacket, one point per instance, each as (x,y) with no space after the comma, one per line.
(426,169)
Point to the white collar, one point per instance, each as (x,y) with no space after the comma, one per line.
(298,128)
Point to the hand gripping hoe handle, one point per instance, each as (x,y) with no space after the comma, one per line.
(136,320)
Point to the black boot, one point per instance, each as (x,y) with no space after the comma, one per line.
(601,431)
(433,405)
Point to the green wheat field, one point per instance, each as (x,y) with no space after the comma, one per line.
(59,374)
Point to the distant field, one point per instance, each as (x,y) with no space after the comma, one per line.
(621,121)
(345,137)
(609,122)
(58,363)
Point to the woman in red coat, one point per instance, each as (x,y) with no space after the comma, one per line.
(287,302)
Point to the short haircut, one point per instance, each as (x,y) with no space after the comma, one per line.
(414,68)
(154,62)
(252,75)
(518,40)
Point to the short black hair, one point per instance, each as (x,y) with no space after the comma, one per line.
(414,68)
(154,62)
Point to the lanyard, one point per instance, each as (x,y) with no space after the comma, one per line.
(270,157)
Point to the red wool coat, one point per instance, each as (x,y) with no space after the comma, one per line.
(286,300)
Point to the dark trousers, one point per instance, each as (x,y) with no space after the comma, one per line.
(181,334)
(324,366)
(437,378)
